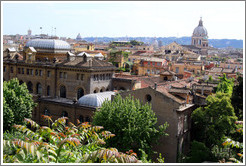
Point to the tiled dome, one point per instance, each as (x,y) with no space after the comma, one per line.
(48,44)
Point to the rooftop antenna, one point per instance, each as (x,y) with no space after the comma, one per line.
(41,30)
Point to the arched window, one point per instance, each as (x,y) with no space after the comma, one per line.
(30,86)
(87,119)
(101,90)
(81,119)
(148,98)
(39,89)
(80,93)
(48,90)
(96,90)
(63,91)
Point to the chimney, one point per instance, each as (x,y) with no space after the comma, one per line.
(68,56)
(187,99)
(155,85)
(202,89)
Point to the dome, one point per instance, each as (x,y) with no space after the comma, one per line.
(95,99)
(48,44)
(200,30)
(78,38)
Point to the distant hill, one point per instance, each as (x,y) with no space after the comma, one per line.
(217,43)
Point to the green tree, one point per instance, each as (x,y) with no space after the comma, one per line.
(225,85)
(237,98)
(136,43)
(133,123)
(199,153)
(214,121)
(59,143)
(17,103)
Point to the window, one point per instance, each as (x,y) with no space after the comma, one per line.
(48,74)
(64,114)
(80,93)
(4,69)
(63,91)
(153,71)
(48,90)
(36,72)
(27,71)
(60,74)
(165,78)
(30,86)
(39,89)
(148,71)
(40,72)
(81,119)
(23,71)
(77,77)
(185,123)
(148,98)
(82,77)
(31,72)
(148,63)
(87,119)
(94,78)
(177,70)
(11,69)
(64,75)
(19,71)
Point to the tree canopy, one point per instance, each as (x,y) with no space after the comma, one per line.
(237,98)
(214,121)
(133,123)
(225,85)
(17,103)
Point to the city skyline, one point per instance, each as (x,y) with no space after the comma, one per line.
(223,20)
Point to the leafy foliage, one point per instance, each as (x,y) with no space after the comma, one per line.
(226,85)
(199,153)
(133,123)
(61,144)
(214,121)
(17,103)
(237,98)
(231,150)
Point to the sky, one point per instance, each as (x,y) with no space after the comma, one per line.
(222,19)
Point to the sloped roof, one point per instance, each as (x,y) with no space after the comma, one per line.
(167,72)
(79,62)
